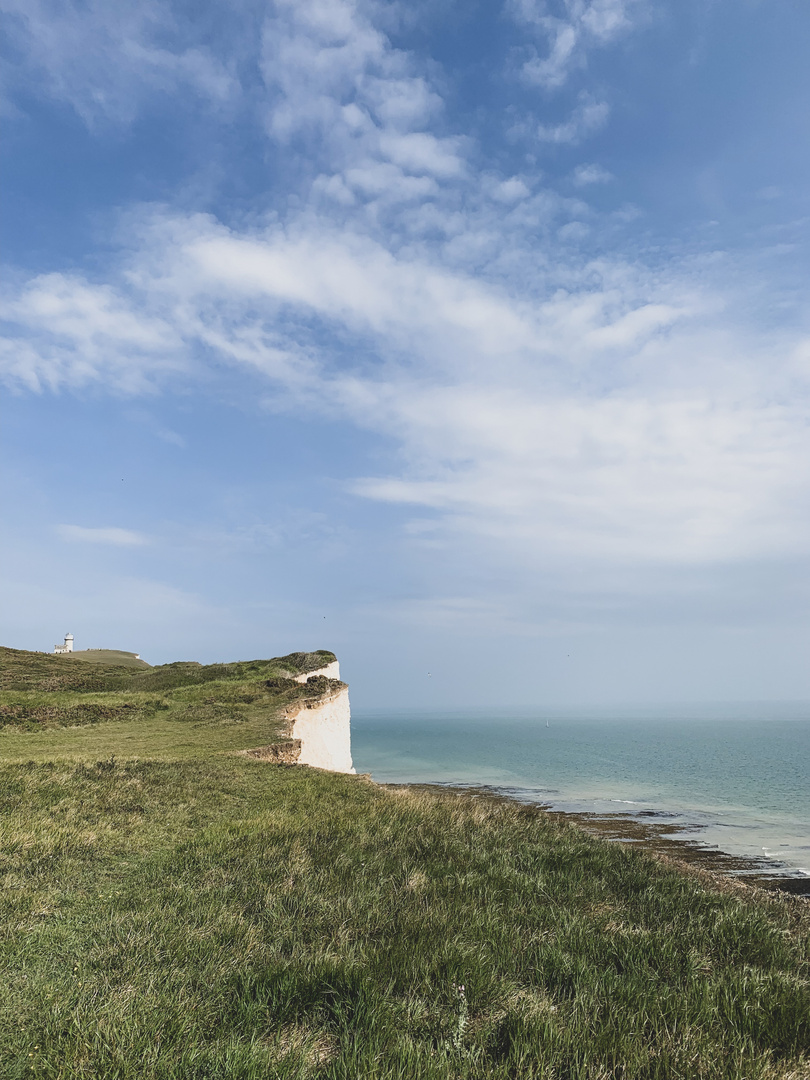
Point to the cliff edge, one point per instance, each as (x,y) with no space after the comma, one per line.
(323,727)
(318,722)
(296,705)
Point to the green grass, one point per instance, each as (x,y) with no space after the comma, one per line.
(106,656)
(87,711)
(21,670)
(180,911)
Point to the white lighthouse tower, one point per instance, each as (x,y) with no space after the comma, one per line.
(67,647)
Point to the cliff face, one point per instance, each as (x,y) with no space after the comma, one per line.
(318,725)
(331,671)
(323,727)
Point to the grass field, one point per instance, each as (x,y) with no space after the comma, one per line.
(171,909)
(107,656)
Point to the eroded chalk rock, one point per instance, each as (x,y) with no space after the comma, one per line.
(323,725)
(330,671)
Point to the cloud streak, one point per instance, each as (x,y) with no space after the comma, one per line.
(63,330)
(580,26)
(103,59)
(587,117)
(595,423)
(109,535)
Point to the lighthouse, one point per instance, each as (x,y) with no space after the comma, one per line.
(67,647)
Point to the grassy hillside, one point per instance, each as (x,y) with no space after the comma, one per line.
(107,656)
(21,670)
(87,711)
(171,909)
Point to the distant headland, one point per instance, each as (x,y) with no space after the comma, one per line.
(298,705)
(119,657)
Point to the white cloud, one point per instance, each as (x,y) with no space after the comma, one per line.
(384,181)
(110,535)
(610,416)
(588,116)
(64,330)
(353,281)
(317,56)
(422,153)
(554,406)
(626,478)
(640,322)
(510,191)
(101,58)
(553,70)
(582,25)
(361,107)
(402,103)
(573,232)
(591,174)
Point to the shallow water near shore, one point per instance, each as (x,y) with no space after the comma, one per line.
(727,778)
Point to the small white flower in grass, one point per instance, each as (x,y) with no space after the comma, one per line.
(462,1016)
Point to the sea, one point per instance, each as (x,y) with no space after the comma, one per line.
(725,778)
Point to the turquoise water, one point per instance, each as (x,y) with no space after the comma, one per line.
(731,777)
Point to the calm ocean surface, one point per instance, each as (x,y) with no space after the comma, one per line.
(732,777)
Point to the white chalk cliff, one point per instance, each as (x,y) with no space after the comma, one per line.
(323,725)
(331,671)
(318,728)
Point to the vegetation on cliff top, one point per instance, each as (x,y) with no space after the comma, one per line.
(113,657)
(176,709)
(22,670)
(186,912)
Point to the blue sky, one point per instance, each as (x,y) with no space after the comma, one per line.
(470,339)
